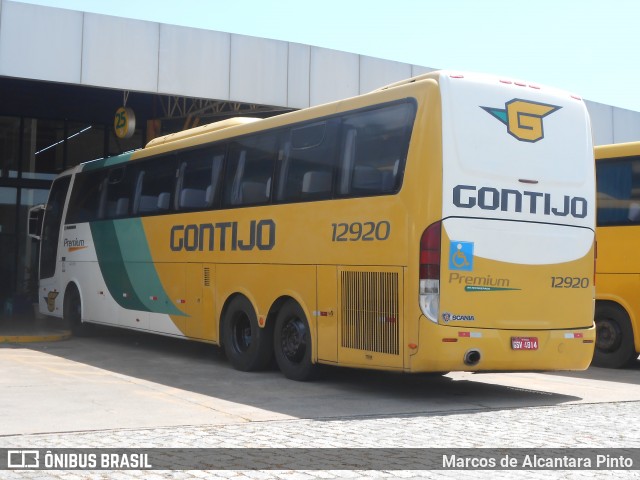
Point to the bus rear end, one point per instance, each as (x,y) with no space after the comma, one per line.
(507,275)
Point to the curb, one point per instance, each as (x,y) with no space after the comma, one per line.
(56,337)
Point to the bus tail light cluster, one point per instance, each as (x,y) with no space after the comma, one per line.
(429,294)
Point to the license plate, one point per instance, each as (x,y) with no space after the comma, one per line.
(524,343)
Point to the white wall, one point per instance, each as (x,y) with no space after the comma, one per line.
(612,124)
(40,43)
(46,43)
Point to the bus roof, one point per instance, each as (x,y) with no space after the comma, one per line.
(192,132)
(617,150)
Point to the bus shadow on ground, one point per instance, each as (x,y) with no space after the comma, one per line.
(202,369)
(629,374)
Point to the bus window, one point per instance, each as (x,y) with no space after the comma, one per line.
(154,184)
(618,192)
(374,150)
(119,192)
(306,171)
(250,170)
(199,179)
(84,205)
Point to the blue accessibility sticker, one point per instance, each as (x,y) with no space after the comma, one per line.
(461,256)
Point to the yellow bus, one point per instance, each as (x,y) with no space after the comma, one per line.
(617,269)
(441,223)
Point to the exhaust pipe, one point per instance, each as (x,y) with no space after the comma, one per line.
(472,357)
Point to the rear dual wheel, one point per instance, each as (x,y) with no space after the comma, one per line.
(292,343)
(247,346)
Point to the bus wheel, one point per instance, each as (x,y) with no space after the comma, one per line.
(72,312)
(614,337)
(292,343)
(247,346)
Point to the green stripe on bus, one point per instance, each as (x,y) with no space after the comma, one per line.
(127,267)
(140,267)
(112,267)
(106,162)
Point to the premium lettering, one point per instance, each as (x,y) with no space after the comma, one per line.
(476,280)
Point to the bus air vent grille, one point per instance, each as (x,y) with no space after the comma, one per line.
(207,277)
(370,313)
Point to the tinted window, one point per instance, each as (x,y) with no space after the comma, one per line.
(308,163)
(199,180)
(250,169)
(154,186)
(84,204)
(618,184)
(374,149)
(120,191)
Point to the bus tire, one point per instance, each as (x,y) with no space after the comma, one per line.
(72,313)
(292,343)
(247,346)
(614,337)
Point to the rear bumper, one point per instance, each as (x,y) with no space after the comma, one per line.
(443,348)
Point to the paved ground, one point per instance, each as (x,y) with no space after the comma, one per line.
(136,391)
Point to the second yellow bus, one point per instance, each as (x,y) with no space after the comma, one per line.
(618,266)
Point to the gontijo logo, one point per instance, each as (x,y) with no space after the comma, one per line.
(523,118)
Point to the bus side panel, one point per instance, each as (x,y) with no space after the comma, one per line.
(327,313)
(371,317)
(618,264)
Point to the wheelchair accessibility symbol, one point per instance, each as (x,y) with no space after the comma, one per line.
(461,256)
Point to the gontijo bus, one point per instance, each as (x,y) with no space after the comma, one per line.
(441,223)
(618,267)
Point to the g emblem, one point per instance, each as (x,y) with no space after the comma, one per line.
(523,118)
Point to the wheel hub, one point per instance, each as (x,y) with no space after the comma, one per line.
(293,340)
(608,335)
(242,333)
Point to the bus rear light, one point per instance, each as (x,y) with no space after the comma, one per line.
(429,293)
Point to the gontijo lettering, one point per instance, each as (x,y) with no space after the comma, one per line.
(508,200)
(223,236)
